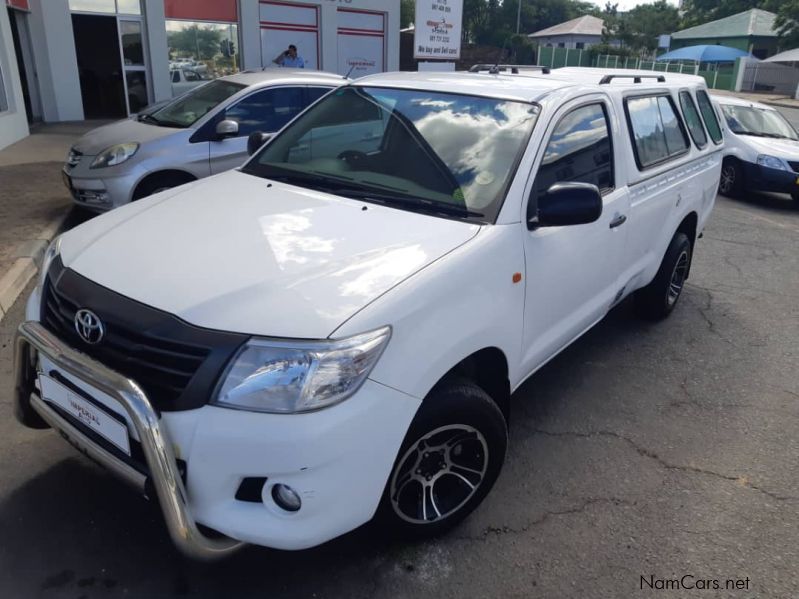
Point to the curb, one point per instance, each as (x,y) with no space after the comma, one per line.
(24,268)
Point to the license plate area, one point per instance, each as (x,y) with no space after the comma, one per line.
(93,415)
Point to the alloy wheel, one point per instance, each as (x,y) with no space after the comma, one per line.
(678,277)
(439,473)
(727,180)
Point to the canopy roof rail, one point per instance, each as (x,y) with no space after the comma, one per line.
(636,78)
(495,69)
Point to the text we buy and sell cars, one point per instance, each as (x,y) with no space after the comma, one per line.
(761,151)
(332,332)
(200,133)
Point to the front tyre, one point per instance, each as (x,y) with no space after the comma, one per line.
(657,300)
(451,456)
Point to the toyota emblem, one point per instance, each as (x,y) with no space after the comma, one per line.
(89,326)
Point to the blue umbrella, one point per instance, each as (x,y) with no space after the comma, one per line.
(705,53)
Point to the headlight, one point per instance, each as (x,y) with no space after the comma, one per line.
(285,377)
(49,255)
(772,162)
(114,155)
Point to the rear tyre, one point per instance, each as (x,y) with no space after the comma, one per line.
(732,179)
(658,299)
(155,183)
(451,456)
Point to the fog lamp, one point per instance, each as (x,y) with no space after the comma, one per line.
(286,497)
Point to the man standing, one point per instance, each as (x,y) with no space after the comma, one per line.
(290,59)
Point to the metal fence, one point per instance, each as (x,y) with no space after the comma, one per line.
(770,77)
(717,76)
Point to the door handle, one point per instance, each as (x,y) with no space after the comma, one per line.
(618,220)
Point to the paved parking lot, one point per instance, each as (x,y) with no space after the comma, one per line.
(643,450)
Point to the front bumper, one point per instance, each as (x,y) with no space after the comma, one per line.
(34,339)
(99,194)
(763,178)
(337,459)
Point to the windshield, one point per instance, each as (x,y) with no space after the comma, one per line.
(185,110)
(748,120)
(447,154)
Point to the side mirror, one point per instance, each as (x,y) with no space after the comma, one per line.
(256,140)
(226,128)
(567,204)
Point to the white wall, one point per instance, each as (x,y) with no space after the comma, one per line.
(56,62)
(569,40)
(13,122)
(250,31)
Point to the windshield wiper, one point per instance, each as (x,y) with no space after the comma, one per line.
(145,117)
(410,202)
(349,187)
(763,134)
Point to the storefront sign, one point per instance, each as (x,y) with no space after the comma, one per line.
(202,10)
(21,4)
(438,29)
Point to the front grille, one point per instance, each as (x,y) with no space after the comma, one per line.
(794,166)
(175,363)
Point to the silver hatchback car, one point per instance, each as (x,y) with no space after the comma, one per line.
(200,133)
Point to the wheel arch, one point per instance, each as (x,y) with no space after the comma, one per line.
(176,173)
(488,369)
(689,225)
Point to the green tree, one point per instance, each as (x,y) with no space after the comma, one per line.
(698,12)
(200,42)
(407,12)
(646,22)
(787,22)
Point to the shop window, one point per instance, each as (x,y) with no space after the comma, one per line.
(209,50)
(132,47)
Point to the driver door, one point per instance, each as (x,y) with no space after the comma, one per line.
(573,272)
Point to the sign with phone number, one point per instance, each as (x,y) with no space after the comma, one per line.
(438,29)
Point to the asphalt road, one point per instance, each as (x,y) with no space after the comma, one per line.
(657,450)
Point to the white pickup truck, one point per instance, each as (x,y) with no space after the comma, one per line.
(331,333)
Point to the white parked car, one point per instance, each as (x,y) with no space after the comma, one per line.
(200,133)
(761,152)
(184,79)
(332,332)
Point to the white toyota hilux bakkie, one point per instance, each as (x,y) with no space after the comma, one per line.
(331,333)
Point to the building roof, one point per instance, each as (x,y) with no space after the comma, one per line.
(754,22)
(586,25)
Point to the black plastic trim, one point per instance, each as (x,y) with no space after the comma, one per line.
(135,333)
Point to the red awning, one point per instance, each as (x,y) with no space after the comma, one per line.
(202,10)
(21,4)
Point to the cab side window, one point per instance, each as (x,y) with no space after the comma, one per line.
(709,115)
(267,110)
(579,150)
(656,129)
(692,119)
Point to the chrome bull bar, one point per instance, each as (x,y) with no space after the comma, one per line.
(156,445)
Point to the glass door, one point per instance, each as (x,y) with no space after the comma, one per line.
(134,63)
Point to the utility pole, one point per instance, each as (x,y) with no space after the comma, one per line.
(519,17)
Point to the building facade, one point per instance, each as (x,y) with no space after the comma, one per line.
(752,31)
(578,34)
(68,60)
